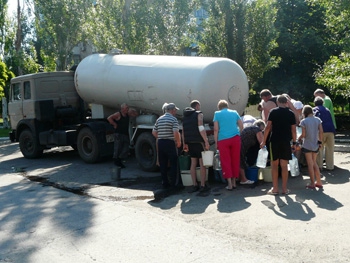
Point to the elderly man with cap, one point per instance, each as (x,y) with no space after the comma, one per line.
(327,102)
(327,143)
(166,131)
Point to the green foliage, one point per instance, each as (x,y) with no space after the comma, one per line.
(212,41)
(5,76)
(335,75)
(3,12)
(59,27)
(279,43)
(243,31)
(224,33)
(303,45)
(19,51)
(104,26)
(140,27)
(337,19)
(4,132)
(261,39)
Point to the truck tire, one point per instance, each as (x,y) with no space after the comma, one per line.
(87,146)
(29,145)
(146,152)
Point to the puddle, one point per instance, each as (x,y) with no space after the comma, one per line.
(45,182)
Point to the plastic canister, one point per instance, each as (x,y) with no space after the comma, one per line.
(262,157)
(294,166)
(217,163)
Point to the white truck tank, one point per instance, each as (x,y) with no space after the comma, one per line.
(146,82)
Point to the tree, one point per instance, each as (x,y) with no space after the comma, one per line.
(303,45)
(104,28)
(19,53)
(3,12)
(5,76)
(140,27)
(243,31)
(224,33)
(261,41)
(59,27)
(169,25)
(335,74)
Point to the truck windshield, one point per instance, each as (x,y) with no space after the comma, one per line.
(16,92)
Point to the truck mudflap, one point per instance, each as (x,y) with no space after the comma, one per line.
(94,141)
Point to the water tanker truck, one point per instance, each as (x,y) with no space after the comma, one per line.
(54,109)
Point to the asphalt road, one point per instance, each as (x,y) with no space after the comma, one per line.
(59,209)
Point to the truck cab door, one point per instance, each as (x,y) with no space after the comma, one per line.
(15,105)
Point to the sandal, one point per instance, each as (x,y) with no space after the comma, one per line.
(310,186)
(320,186)
(270,192)
(247,182)
(286,192)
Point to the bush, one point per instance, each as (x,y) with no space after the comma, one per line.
(343,122)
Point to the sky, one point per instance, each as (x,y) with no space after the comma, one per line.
(12,5)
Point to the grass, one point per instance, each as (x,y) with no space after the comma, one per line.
(3,132)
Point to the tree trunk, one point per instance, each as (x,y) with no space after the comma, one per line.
(18,42)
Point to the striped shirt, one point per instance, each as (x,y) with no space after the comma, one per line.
(165,126)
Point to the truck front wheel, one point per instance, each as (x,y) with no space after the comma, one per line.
(146,153)
(87,146)
(29,145)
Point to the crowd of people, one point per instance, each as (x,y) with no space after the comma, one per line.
(282,116)
(239,138)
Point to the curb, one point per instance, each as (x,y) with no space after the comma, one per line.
(4,140)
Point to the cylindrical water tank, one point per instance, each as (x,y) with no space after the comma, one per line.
(146,82)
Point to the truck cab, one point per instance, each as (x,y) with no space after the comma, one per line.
(38,103)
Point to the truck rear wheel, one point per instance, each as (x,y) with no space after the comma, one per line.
(87,146)
(146,153)
(29,145)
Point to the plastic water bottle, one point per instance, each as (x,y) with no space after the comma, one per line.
(294,166)
(262,157)
(217,163)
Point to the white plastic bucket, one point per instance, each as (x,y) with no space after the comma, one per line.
(266,174)
(208,158)
(198,174)
(186,178)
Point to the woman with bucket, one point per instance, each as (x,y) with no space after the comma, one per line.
(227,127)
(251,138)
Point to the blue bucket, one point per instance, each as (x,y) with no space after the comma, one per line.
(252,173)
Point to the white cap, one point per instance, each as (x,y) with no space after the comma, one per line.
(298,105)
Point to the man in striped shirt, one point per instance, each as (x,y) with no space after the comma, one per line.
(166,131)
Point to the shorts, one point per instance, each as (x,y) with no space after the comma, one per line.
(304,150)
(195,149)
(280,150)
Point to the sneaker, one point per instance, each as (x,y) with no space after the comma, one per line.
(204,189)
(194,188)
